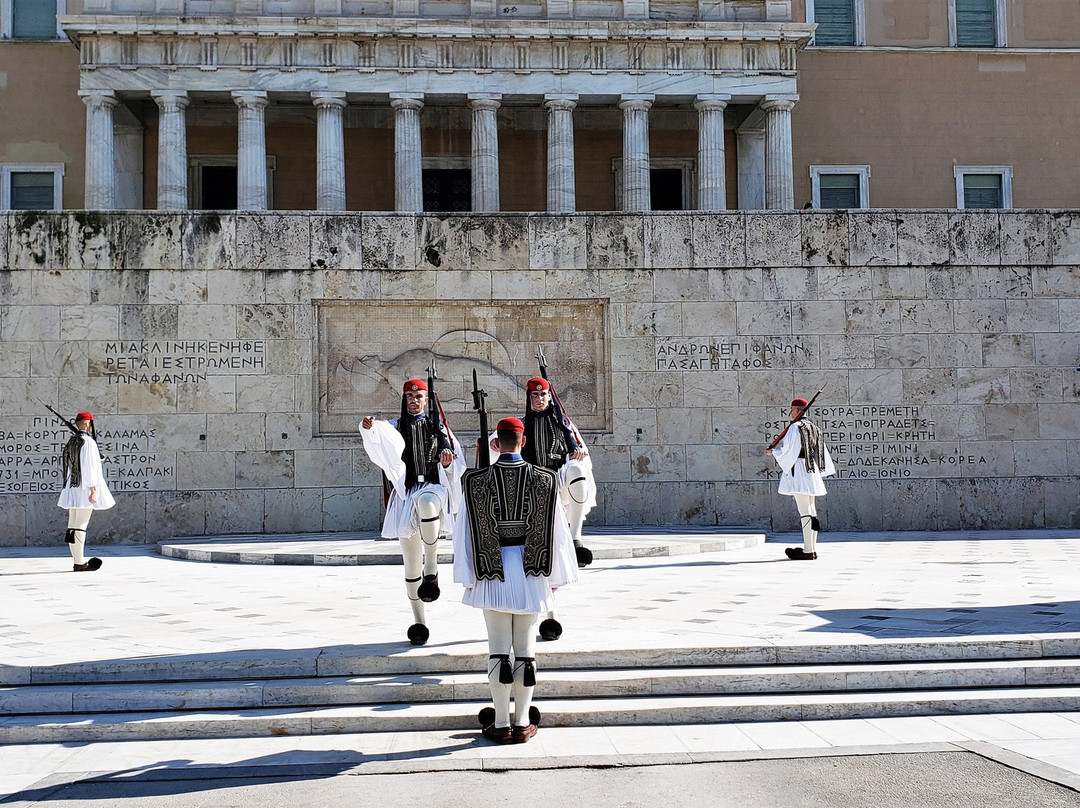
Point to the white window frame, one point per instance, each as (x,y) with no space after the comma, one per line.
(859,9)
(56,169)
(1000,28)
(687,165)
(1006,172)
(864,182)
(7,20)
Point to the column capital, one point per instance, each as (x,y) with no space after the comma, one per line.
(174,99)
(329,99)
(253,99)
(636,101)
(407,100)
(99,98)
(782,103)
(711,101)
(565,102)
(478,101)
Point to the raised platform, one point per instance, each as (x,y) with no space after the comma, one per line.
(362,548)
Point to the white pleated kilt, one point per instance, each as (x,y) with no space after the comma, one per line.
(80,498)
(401,520)
(518,593)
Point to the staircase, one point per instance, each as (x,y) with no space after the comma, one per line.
(257,694)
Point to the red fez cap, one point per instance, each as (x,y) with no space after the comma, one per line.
(799,402)
(537,383)
(84,416)
(412,385)
(511,425)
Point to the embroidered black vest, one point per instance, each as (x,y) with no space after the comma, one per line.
(421,454)
(71,461)
(511,503)
(545,439)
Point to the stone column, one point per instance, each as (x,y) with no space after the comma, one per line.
(408,166)
(751,157)
(561,191)
(251,193)
(100,155)
(485,152)
(779,190)
(635,174)
(172,167)
(330,137)
(712,184)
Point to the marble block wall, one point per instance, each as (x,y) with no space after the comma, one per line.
(947,342)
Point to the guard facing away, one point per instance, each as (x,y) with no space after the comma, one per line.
(512,548)
(423,462)
(803,459)
(85,489)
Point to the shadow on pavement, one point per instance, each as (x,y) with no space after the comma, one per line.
(968,621)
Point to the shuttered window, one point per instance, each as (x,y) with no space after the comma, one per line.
(33,19)
(839,190)
(32,190)
(983,191)
(976,26)
(835,22)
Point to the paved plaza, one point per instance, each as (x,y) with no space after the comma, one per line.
(866,589)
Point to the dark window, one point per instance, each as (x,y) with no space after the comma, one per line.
(665,189)
(447,189)
(33,19)
(32,190)
(218,188)
(835,22)
(975,24)
(983,191)
(838,190)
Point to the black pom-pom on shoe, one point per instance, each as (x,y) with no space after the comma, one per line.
(94,564)
(534,716)
(418,634)
(550,629)
(428,590)
(486,717)
(584,555)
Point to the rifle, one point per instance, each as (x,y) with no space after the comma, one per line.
(571,441)
(67,423)
(483,449)
(435,410)
(802,412)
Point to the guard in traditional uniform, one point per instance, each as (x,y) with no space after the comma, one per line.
(512,548)
(85,489)
(423,462)
(804,460)
(555,443)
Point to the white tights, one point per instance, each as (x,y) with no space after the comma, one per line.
(510,632)
(78,520)
(807,506)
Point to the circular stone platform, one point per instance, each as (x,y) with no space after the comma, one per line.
(355,549)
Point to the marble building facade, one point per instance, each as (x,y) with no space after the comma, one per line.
(389,62)
(227,358)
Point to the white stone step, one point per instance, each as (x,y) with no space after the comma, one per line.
(689,709)
(554,683)
(314,662)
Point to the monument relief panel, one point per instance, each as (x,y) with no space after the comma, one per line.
(366,349)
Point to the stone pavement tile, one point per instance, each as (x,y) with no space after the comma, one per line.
(849,732)
(637,740)
(783,735)
(917,729)
(1062,752)
(984,727)
(1044,725)
(714,738)
(574,741)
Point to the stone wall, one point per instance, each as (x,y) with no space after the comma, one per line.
(947,340)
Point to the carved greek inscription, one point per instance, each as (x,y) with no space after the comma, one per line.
(30,458)
(764,353)
(176,361)
(874,441)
